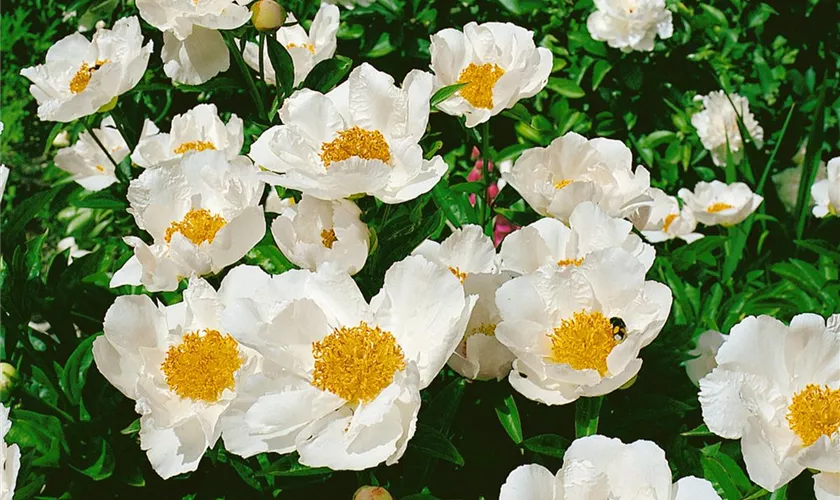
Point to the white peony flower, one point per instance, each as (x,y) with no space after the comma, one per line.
(597,467)
(196,58)
(777,389)
(306,50)
(572,169)
(362,137)
(316,232)
(180,366)
(664,220)
(203,215)
(715,202)
(826,193)
(549,242)
(630,24)
(9,458)
(717,125)
(199,129)
(708,344)
(470,255)
(499,62)
(578,330)
(89,165)
(343,376)
(81,76)
(275,205)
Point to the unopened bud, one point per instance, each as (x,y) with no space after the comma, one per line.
(267,15)
(8,380)
(372,493)
(108,106)
(629,383)
(62,139)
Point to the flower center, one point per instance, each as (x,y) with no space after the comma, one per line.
(307,46)
(480,81)
(194,146)
(80,80)
(584,341)
(669,219)
(366,144)
(201,367)
(458,274)
(198,226)
(570,262)
(328,237)
(562,183)
(718,207)
(356,363)
(488,329)
(814,412)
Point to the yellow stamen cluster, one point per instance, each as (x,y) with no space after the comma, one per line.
(201,367)
(480,80)
(328,237)
(81,79)
(570,262)
(718,207)
(488,329)
(194,146)
(356,363)
(583,341)
(198,226)
(814,412)
(669,219)
(100,169)
(355,141)
(307,46)
(458,274)
(562,183)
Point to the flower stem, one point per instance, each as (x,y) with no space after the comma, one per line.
(262,59)
(126,131)
(587,411)
(485,174)
(99,143)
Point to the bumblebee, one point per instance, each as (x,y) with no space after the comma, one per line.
(619,329)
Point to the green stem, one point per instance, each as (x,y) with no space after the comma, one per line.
(246,73)
(811,164)
(99,143)
(485,174)
(126,131)
(262,59)
(587,411)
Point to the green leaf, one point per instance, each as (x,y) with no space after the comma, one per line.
(21,215)
(550,445)
(430,441)
(656,138)
(566,87)
(133,428)
(441,410)
(466,187)
(43,433)
(289,466)
(328,73)
(103,466)
(812,162)
(445,93)
(508,415)
(587,413)
(100,199)
(281,61)
(599,71)
(700,430)
(75,370)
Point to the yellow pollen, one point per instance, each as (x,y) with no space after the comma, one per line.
(355,141)
(458,273)
(570,262)
(562,184)
(814,412)
(80,80)
(669,219)
(198,226)
(480,81)
(488,329)
(307,46)
(194,146)
(328,237)
(201,367)
(584,341)
(101,169)
(356,363)
(718,207)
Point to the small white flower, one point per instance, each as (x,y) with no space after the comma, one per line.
(362,137)
(81,76)
(717,125)
(89,165)
(69,243)
(316,232)
(598,467)
(630,24)
(180,366)
(555,179)
(826,193)
(708,344)
(549,242)
(345,388)
(777,389)
(499,62)
(9,458)
(787,181)
(306,50)
(715,202)
(665,220)
(199,129)
(577,331)
(203,215)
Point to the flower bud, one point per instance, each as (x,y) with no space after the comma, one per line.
(62,139)
(8,380)
(267,15)
(372,493)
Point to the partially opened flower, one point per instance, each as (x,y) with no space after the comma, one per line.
(777,389)
(81,76)
(787,181)
(578,330)
(826,192)
(597,467)
(306,49)
(719,203)
(316,232)
(549,242)
(708,345)
(555,179)
(630,24)
(90,167)
(498,62)
(199,129)
(203,215)
(664,220)
(9,458)
(343,376)
(717,125)
(180,366)
(362,137)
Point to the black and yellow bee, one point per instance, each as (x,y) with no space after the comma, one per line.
(619,328)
